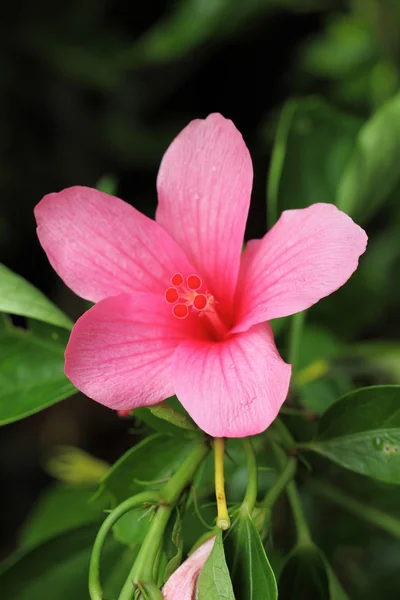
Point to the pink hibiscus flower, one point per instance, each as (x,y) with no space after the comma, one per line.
(182,583)
(180,309)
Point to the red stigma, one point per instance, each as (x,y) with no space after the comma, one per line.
(177,279)
(194,282)
(171,295)
(186,299)
(180,311)
(200,302)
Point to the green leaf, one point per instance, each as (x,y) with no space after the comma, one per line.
(361,432)
(313,144)
(214,582)
(148,463)
(373,169)
(167,417)
(252,575)
(132,527)
(18,297)
(60,508)
(48,332)
(58,568)
(307,569)
(159,425)
(5,323)
(31,375)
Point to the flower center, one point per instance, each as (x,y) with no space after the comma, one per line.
(187,297)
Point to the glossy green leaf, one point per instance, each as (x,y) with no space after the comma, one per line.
(156,424)
(60,508)
(167,417)
(149,463)
(373,169)
(31,375)
(19,297)
(132,527)
(313,144)
(47,331)
(361,432)
(58,568)
(214,582)
(252,575)
(306,572)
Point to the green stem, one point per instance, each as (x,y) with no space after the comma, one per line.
(223,519)
(137,501)
(152,591)
(277,161)
(302,530)
(250,498)
(359,509)
(280,484)
(296,329)
(142,570)
(283,433)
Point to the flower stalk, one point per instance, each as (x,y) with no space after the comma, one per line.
(223,519)
(250,498)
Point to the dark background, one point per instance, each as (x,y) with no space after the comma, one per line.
(90,88)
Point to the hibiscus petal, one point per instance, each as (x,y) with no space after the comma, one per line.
(307,255)
(101,246)
(182,583)
(232,388)
(204,187)
(120,350)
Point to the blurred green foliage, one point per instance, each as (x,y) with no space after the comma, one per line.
(90,88)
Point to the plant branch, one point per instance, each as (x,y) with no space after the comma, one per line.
(149,497)
(359,509)
(296,328)
(250,498)
(142,570)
